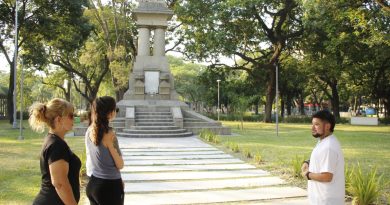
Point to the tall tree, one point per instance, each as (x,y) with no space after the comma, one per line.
(115,27)
(256,31)
(57,23)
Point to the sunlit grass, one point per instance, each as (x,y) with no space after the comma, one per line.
(19,165)
(368,145)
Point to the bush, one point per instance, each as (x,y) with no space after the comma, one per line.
(209,136)
(233,146)
(237,117)
(365,188)
(297,119)
(385,120)
(247,153)
(258,158)
(296,164)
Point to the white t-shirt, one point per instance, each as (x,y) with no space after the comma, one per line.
(327,156)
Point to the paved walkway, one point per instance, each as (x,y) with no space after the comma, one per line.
(189,171)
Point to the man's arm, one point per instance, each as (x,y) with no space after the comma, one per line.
(321,177)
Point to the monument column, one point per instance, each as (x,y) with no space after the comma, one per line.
(143,41)
(159,42)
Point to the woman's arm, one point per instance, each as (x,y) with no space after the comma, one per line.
(113,151)
(59,178)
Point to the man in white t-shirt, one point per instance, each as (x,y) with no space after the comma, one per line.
(325,169)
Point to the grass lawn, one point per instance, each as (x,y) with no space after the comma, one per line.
(20,173)
(367,145)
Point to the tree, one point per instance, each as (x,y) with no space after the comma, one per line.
(116,29)
(255,31)
(186,85)
(57,23)
(343,39)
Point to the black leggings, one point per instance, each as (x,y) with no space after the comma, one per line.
(105,191)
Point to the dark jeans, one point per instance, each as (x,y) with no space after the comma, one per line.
(105,191)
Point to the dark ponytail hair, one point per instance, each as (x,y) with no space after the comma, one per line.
(101,108)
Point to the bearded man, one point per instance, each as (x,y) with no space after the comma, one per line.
(325,169)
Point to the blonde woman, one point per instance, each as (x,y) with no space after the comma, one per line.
(105,185)
(60,167)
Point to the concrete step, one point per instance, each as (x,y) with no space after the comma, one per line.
(153,109)
(163,153)
(169,149)
(191,167)
(154,120)
(153,113)
(154,117)
(154,124)
(185,134)
(132,131)
(192,157)
(216,196)
(181,162)
(202,184)
(193,175)
(155,127)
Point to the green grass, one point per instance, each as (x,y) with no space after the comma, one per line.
(368,145)
(20,173)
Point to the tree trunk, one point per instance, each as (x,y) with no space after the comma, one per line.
(10,99)
(120,93)
(282,107)
(301,104)
(256,105)
(270,94)
(335,100)
(289,105)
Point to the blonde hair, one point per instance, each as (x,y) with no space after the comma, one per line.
(44,114)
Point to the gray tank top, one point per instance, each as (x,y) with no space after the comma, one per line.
(103,165)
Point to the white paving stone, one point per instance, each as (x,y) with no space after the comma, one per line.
(169,149)
(290,201)
(189,171)
(211,156)
(161,142)
(193,175)
(212,196)
(182,161)
(186,167)
(127,153)
(202,184)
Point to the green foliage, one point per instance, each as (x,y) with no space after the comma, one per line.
(247,153)
(385,120)
(233,146)
(296,164)
(236,117)
(365,188)
(258,159)
(209,136)
(296,119)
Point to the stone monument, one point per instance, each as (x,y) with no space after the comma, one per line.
(150,107)
(151,78)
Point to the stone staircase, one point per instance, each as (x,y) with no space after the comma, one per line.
(156,122)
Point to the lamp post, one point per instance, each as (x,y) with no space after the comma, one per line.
(15,123)
(218,109)
(21,103)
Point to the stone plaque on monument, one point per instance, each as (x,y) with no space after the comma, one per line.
(152,82)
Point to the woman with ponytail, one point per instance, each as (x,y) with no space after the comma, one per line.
(104,157)
(60,167)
